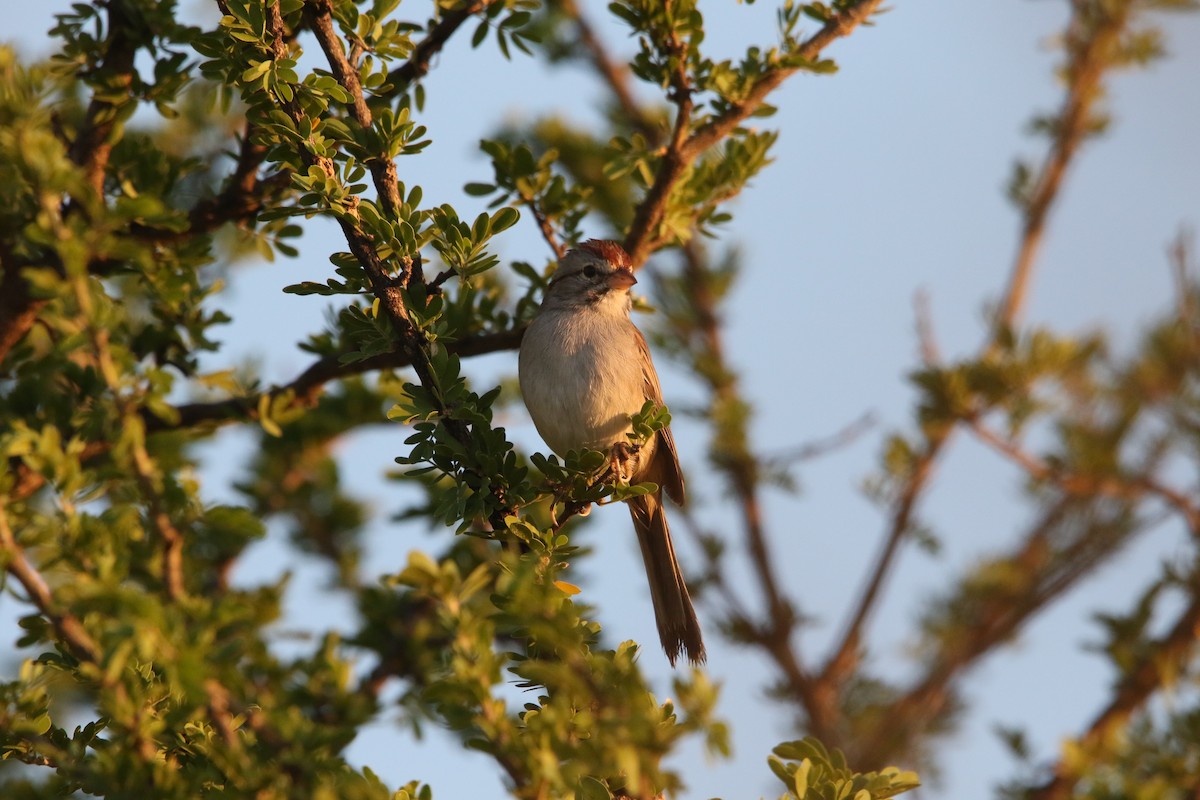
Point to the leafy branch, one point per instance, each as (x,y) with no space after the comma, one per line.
(686,144)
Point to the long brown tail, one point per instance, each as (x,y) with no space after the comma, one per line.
(678,628)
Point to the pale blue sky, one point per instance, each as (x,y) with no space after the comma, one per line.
(888,179)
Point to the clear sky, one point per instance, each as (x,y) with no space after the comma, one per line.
(889,179)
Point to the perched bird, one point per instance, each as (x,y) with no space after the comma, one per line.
(584,370)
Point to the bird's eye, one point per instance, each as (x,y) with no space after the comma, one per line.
(589,271)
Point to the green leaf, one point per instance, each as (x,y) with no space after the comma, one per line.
(592,789)
(480,34)
(504,219)
(479,189)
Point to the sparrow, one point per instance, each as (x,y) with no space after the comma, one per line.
(584,370)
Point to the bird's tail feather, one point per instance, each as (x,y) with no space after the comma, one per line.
(678,628)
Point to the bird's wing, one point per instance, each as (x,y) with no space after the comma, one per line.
(665,469)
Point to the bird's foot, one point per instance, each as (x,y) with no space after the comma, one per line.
(622,461)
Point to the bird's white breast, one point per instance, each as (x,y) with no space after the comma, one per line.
(581,375)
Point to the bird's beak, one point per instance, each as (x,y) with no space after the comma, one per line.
(621,278)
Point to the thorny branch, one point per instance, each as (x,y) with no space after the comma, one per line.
(387,290)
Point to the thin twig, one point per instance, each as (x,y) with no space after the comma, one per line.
(845,657)
(143,466)
(922,311)
(614,73)
(419,63)
(1089,50)
(546,228)
(1182,267)
(825,446)
(1087,485)
(733,603)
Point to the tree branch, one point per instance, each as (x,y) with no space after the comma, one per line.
(93,145)
(824,446)
(90,150)
(996,601)
(1090,44)
(1160,662)
(1087,64)
(244,195)
(303,390)
(383,170)
(18,309)
(1132,488)
(614,74)
(546,228)
(68,627)
(683,149)
(306,387)
(421,60)
(845,657)
(388,291)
